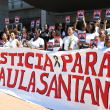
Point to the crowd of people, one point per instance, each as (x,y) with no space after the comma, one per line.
(68,36)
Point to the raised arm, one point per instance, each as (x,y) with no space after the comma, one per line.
(84,23)
(76,30)
(104,25)
(6,28)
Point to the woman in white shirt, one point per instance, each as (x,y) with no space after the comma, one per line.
(102,36)
(82,27)
(13,42)
(37,42)
(5,39)
(51,39)
(90,34)
(70,42)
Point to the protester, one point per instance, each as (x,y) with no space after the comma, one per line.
(70,42)
(102,36)
(83,26)
(55,33)
(107,42)
(13,42)
(60,28)
(90,34)
(45,34)
(5,39)
(65,33)
(104,26)
(37,42)
(97,25)
(1,33)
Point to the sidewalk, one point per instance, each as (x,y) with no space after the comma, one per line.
(8,102)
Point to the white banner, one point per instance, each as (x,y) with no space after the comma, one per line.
(66,80)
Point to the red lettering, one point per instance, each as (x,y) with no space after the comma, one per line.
(50,88)
(66,61)
(38,66)
(90,64)
(67,91)
(44,83)
(50,64)
(9,77)
(104,95)
(77,85)
(2,76)
(77,64)
(3,56)
(21,80)
(106,56)
(32,83)
(20,55)
(26,60)
(12,58)
(88,81)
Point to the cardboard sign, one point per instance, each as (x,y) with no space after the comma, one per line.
(1,43)
(38,23)
(93,42)
(107,15)
(6,21)
(24,35)
(32,23)
(96,15)
(51,28)
(57,41)
(67,20)
(80,15)
(50,46)
(17,19)
(82,37)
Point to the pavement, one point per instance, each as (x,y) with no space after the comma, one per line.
(8,102)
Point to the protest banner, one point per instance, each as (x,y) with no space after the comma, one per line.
(70,80)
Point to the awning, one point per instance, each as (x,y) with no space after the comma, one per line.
(68,5)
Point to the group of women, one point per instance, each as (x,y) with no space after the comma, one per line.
(68,38)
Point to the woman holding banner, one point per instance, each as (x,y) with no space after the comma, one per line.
(37,42)
(70,42)
(13,42)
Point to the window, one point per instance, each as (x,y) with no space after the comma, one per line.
(16,4)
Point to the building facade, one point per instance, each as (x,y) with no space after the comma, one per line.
(27,13)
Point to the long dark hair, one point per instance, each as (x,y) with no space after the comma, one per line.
(47,28)
(51,37)
(93,27)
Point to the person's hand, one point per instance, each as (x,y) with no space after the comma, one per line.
(16,25)
(69,48)
(105,21)
(32,47)
(25,45)
(80,45)
(6,26)
(87,43)
(76,20)
(12,46)
(93,47)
